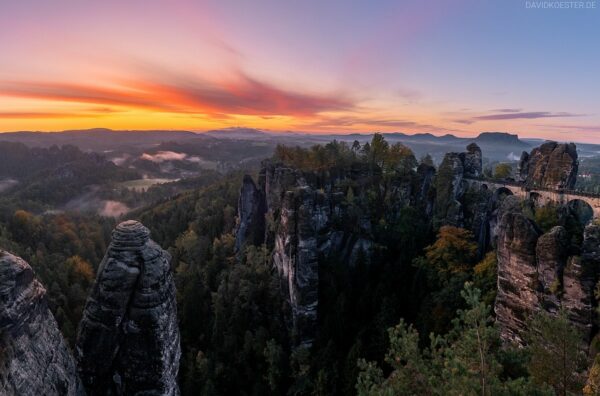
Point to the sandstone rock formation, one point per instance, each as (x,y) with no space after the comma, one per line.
(303,211)
(251,215)
(449,187)
(540,272)
(296,254)
(551,165)
(302,234)
(473,161)
(517,296)
(579,279)
(128,339)
(34,357)
(552,250)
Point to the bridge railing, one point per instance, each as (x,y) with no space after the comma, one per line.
(533,189)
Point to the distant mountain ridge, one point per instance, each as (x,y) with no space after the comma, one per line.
(497,146)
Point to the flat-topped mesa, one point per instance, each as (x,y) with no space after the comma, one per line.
(552,165)
(34,358)
(128,339)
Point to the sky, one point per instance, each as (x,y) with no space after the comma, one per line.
(322,66)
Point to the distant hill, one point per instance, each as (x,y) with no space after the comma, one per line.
(237,133)
(98,139)
(214,145)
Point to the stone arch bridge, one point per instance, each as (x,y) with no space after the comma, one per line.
(540,194)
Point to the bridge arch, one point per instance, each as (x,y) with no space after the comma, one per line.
(541,196)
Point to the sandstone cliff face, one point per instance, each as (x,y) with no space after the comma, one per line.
(302,207)
(517,297)
(473,161)
(296,256)
(552,165)
(251,215)
(34,358)
(579,279)
(539,272)
(450,188)
(313,216)
(128,339)
(552,251)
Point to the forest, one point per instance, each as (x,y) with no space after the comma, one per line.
(415,317)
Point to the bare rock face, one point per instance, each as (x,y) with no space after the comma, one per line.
(251,215)
(311,216)
(536,272)
(296,255)
(523,167)
(517,296)
(552,165)
(579,280)
(450,187)
(302,211)
(34,357)
(128,339)
(552,253)
(473,161)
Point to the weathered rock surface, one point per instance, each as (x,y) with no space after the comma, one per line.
(517,296)
(449,187)
(536,272)
(34,357)
(251,215)
(473,161)
(552,251)
(296,255)
(128,339)
(551,165)
(579,280)
(313,216)
(523,167)
(302,208)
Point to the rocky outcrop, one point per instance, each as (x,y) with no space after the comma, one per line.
(302,207)
(517,296)
(523,167)
(552,251)
(551,165)
(449,187)
(473,161)
(579,280)
(128,339)
(313,216)
(296,256)
(251,215)
(540,272)
(34,357)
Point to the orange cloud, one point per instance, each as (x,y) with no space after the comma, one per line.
(241,95)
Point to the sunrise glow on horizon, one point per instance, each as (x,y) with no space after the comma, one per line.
(459,67)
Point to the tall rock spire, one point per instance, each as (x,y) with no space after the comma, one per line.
(128,339)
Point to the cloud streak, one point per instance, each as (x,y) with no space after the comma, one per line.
(240,94)
(524,115)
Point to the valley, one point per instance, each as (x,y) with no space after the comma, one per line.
(306,262)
